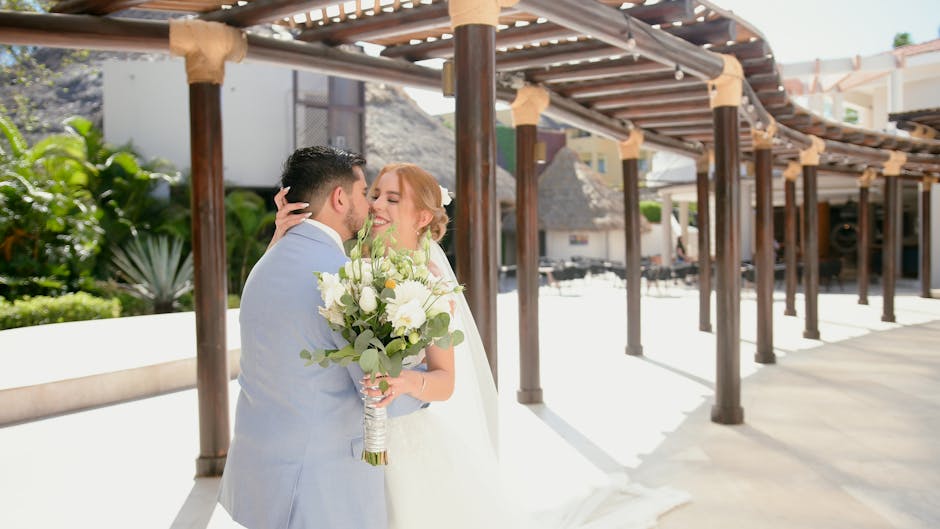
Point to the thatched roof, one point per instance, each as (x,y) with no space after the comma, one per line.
(573,197)
(397,130)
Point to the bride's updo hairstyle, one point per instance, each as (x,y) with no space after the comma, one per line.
(426,194)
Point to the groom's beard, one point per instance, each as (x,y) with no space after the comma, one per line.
(353,221)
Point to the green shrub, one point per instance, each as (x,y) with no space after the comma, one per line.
(44,309)
(651,210)
(187,302)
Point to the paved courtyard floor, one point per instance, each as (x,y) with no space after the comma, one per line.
(840,433)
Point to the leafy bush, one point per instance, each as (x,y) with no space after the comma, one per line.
(44,309)
(651,210)
(49,223)
(187,301)
(246,234)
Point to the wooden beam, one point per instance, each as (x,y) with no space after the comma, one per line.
(507,38)
(745,50)
(258,11)
(595,70)
(694,107)
(675,95)
(664,12)
(607,24)
(631,211)
(703,223)
(527,269)
(789,245)
(889,247)
(382,25)
(764,258)
(548,55)
(717,31)
(925,241)
(810,252)
(94,7)
(699,118)
(475,140)
(706,32)
(727,408)
(864,244)
(209,276)
(631,85)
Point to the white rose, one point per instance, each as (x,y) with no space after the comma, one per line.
(333,315)
(367,301)
(332,289)
(407,316)
(360,272)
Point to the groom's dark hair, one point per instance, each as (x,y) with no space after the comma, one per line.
(312,173)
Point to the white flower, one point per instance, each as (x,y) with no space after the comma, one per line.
(359,271)
(440,306)
(332,289)
(445,196)
(333,315)
(367,300)
(406,309)
(407,316)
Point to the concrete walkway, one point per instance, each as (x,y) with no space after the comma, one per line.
(839,434)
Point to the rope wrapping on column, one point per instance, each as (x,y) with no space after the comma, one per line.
(206,47)
(466,12)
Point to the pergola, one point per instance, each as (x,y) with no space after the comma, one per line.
(680,75)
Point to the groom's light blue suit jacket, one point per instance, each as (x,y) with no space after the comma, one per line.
(294,461)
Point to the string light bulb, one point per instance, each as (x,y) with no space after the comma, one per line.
(679,73)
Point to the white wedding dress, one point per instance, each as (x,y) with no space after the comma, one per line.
(443,469)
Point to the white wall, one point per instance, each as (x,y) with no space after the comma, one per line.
(919,95)
(147,103)
(600,245)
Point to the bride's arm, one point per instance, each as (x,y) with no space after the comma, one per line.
(434,385)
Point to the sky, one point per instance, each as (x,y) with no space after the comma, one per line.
(803,30)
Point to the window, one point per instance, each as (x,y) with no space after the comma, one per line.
(601,163)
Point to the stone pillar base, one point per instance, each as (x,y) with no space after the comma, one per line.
(635,350)
(811,334)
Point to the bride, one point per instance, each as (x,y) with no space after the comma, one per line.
(443,468)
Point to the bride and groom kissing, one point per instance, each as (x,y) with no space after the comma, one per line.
(295,458)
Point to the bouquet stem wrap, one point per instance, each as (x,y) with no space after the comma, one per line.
(375,431)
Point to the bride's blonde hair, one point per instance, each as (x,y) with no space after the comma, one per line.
(426,194)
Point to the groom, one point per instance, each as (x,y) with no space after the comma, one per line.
(295,460)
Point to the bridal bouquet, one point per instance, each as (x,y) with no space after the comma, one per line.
(388,306)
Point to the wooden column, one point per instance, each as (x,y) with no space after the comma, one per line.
(630,153)
(726,97)
(789,236)
(475,74)
(925,243)
(206,46)
(864,234)
(764,256)
(809,159)
(704,245)
(529,104)
(889,248)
